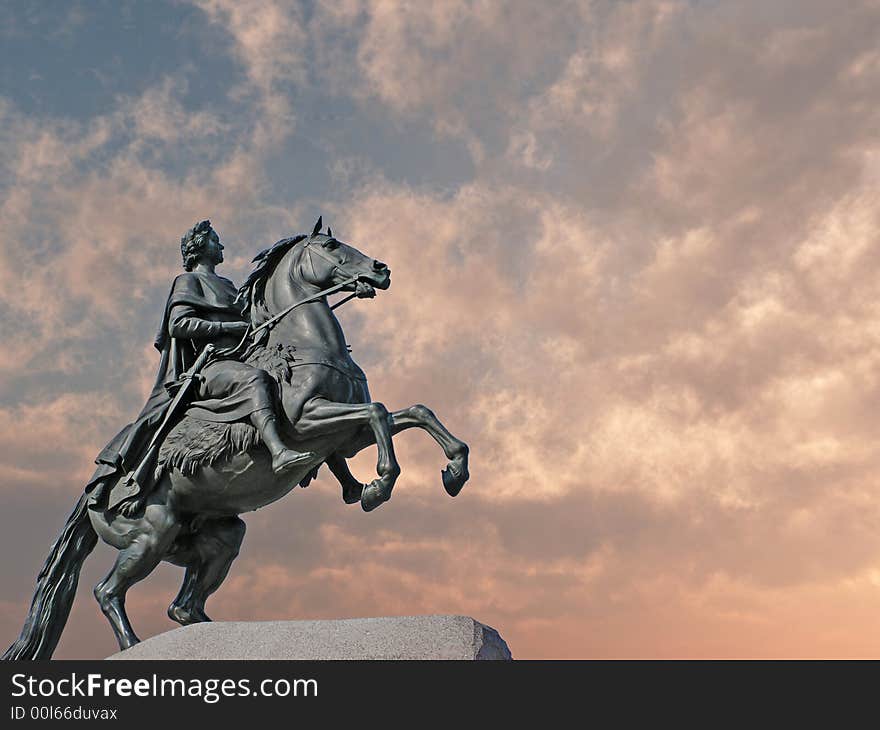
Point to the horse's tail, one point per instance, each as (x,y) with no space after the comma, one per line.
(56,587)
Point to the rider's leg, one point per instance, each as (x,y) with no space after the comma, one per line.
(283,458)
(250,391)
(243,391)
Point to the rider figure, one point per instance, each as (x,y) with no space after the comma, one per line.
(230,388)
(201,309)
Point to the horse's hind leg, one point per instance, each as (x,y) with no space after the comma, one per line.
(145,541)
(207,555)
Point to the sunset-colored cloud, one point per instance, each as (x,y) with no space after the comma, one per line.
(647,301)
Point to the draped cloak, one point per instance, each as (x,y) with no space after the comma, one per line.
(208,298)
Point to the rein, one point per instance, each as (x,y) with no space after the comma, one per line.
(315,297)
(269,322)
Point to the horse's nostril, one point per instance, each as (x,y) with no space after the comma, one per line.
(378,265)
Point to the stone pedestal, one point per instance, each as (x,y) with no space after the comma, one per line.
(399,637)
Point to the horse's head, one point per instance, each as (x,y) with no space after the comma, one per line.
(317,262)
(327,261)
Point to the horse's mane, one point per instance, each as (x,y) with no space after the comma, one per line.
(253,291)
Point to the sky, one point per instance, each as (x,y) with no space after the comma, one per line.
(635,268)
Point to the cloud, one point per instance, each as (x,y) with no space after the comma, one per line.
(159,114)
(269,39)
(651,312)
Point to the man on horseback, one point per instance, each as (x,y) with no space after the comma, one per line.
(201,310)
(191,518)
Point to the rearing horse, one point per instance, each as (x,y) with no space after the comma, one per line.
(191,518)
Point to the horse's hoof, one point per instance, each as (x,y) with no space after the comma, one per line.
(185,617)
(453,479)
(353,493)
(126,642)
(373,495)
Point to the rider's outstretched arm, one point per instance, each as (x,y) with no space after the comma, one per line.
(184,322)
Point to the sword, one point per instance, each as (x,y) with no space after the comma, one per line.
(128,487)
(188,382)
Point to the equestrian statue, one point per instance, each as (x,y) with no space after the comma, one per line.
(256,390)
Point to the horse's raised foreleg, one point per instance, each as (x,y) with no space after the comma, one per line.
(207,555)
(322,417)
(352,489)
(143,542)
(456,472)
(418,416)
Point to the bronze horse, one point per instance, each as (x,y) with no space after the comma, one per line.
(191,518)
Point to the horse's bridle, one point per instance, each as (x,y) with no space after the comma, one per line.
(336,267)
(309,249)
(313,298)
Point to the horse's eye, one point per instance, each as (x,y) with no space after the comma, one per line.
(330,244)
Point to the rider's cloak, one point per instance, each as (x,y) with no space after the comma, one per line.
(211,297)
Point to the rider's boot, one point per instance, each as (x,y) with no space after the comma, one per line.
(283,458)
